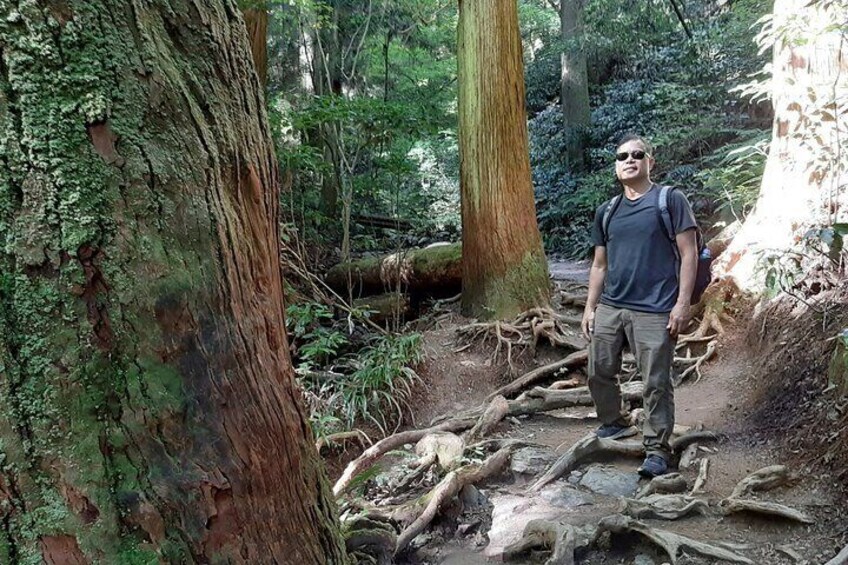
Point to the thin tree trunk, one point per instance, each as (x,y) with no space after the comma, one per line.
(504,266)
(575,84)
(148,410)
(803,183)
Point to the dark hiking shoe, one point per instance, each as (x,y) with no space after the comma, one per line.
(612,431)
(653,466)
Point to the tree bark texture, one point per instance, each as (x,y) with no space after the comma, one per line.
(574,82)
(256,20)
(804,182)
(504,266)
(148,410)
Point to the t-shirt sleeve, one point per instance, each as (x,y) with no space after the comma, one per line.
(682,216)
(597,233)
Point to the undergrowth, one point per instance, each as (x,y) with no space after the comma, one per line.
(349,375)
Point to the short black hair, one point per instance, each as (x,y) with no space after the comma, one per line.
(634,137)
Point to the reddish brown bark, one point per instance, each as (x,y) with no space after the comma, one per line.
(148,410)
(504,267)
(256,20)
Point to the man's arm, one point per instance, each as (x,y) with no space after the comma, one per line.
(687,245)
(597,274)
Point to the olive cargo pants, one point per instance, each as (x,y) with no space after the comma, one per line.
(653,348)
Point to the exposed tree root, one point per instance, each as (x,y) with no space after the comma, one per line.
(840,559)
(418,470)
(663,507)
(496,411)
(544,399)
(701,480)
(669,542)
(766,478)
(419,513)
(664,484)
(556,536)
(695,362)
(523,332)
(341,438)
(373,453)
(573,382)
(591,445)
(732,505)
(576,359)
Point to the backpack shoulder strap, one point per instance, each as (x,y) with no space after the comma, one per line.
(608,212)
(665,212)
(665,217)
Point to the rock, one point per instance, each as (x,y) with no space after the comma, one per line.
(531,461)
(509,516)
(448,448)
(472,498)
(574,477)
(564,496)
(643,559)
(610,481)
(465,529)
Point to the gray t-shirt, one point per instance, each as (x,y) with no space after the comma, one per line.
(642,268)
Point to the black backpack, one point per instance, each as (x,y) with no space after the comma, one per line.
(703,277)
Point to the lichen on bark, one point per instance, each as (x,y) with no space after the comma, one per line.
(148,410)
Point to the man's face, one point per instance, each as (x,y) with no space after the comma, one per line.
(632,169)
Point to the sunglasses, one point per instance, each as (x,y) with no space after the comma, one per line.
(623,155)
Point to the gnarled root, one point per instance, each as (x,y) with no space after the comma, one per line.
(591,445)
(732,505)
(556,536)
(840,559)
(419,513)
(576,359)
(496,411)
(665,484)
(701,480)
(524,331)
(376,451)
(663,507)
(766,478)
(342,438)
(670,542)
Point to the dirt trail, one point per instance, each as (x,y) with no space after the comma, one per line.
(718,401)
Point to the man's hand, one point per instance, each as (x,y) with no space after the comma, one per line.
(588,323)
(678,319)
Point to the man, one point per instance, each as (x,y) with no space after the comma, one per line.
(639,291)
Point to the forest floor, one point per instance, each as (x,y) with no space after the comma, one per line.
(493,514)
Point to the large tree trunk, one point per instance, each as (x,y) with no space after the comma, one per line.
(504,266)
(148,411)
(803,184)
(256,20)
(575,84)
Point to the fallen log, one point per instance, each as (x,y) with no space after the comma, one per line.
(437,268)
(375,221)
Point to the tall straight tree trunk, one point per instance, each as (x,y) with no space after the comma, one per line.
(804,182)
(575,84)
(148,410)
(504,266)
(256,20)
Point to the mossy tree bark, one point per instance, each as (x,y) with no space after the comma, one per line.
(148,411)
(504,267)
(574,82)
(803,184)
